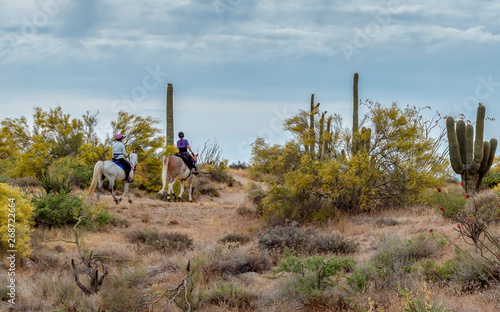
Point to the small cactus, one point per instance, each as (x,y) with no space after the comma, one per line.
(469,155)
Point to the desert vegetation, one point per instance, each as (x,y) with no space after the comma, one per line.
(368,217)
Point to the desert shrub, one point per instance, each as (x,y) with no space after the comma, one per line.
(238,165)
(485,207)
(282,203)
(82,175)
(471,274)
(412,304)
(492,179)
(219,172)
(395,257)
(233,238)
(305,241)
(204,186)
(56,210)
(256,194)
(13,204)
(312,276)
(231,295)
(4,290)
(54,184)
(24,182)
(385,222)
(361,277)
(225,260)
(245,211)
(451,201)
(173,241)
(122,293)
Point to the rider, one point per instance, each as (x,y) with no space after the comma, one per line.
(183,146)
(119,155)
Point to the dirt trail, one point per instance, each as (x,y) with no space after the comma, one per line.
(206,220)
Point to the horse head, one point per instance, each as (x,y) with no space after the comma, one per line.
(133,159)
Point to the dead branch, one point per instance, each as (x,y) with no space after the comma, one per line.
(183,285)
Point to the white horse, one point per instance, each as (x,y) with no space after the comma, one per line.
(175,168)
(108,169)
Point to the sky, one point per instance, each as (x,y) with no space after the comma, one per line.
(240,68)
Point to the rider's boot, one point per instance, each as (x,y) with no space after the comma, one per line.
(195,171)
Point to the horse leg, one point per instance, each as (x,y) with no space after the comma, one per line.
(182,190)
(171,191)
(111,187)
(125,191)
(190,190)
(99,185)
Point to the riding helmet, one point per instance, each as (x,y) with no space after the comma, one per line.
(119,136)
(181,134)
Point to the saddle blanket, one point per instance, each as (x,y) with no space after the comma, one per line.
(119,165)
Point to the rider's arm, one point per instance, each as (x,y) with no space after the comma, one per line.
(189,148)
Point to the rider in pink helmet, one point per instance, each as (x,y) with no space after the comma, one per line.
(119,155)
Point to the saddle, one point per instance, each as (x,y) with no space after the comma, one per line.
(118,164)
(186,159)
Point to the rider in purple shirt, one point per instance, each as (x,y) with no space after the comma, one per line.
(183,146)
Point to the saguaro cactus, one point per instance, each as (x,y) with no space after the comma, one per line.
(312,136)
(359,140)
(470,157)
(170,114)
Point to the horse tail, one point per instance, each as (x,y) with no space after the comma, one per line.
(164,173)
(95,178)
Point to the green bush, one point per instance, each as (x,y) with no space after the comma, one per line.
(313,279)
(317,271)
(361,278)
(54,184)
(57,209)
(492,179)
(451,201)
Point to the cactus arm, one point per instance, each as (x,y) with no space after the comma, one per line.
(469,144)
(491,156)
(461,135)
(486,153)
(455,158)
(478,144)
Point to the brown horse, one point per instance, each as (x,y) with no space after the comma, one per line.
(175,168)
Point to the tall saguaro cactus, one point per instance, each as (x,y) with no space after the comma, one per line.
(170,114)
(360,140)
(470,156)
(312,136)
(355,102)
